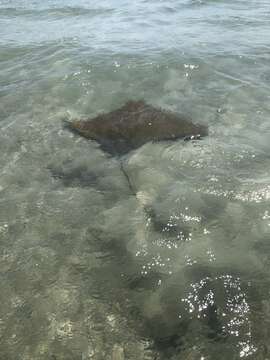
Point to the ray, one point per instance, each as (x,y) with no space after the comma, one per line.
(131,126)
(119,132)
(134,124)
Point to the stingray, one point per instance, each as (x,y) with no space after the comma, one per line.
(124,130)
(135,124)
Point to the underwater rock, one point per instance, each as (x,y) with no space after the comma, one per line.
(133,125)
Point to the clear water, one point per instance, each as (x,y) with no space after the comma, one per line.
(84,273)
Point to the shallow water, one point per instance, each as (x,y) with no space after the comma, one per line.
(85,273)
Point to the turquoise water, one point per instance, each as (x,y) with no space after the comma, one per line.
(85,274)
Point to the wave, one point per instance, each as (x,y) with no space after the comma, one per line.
(60,12)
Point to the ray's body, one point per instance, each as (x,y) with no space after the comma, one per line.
(133,125)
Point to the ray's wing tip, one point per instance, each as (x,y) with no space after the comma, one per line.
(66,123)
(72,125)
(204,130)
(199,132)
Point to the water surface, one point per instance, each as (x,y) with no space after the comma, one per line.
(85,274)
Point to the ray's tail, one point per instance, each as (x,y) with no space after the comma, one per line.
(130,185)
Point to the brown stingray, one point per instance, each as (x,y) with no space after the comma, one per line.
(133,125)
(119,132)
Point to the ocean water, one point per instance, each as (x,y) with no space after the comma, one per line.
(85,273)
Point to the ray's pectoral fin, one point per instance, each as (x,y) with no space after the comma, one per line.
(135,124)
